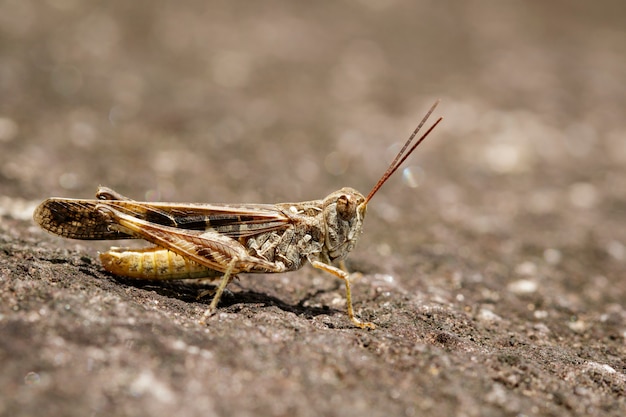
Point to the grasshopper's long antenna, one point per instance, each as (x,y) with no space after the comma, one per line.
(404,154)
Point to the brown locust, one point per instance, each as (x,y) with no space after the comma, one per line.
(219,241)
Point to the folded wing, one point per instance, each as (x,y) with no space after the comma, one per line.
(79,219)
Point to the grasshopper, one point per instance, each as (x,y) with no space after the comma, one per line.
(219,241)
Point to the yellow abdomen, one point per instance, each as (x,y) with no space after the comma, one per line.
(153,263)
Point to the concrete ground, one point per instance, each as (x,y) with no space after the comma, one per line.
(493,263)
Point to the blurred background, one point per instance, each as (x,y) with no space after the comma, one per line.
(230,101)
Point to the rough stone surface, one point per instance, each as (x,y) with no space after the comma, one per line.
(494,264)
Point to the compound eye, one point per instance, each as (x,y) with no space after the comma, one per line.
(346,207)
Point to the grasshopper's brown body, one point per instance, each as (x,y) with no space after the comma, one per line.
(218,240)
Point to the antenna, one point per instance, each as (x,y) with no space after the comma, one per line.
(404,154)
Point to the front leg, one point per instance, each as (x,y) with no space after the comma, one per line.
(346,279)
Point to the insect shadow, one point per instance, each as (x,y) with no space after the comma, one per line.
(190,291)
